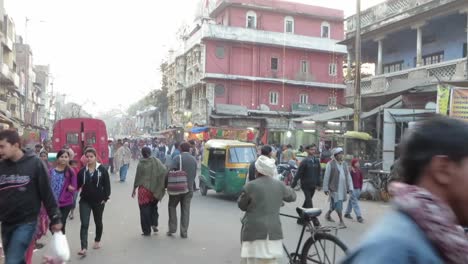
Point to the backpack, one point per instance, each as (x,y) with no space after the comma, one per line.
(177,181)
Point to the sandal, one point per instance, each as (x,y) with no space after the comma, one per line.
(82,252)
(97,245)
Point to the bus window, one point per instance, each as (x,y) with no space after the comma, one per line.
(90,138)
(72,138)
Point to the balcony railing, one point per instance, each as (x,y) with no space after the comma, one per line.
(387,10)
(399,81)
(8,76)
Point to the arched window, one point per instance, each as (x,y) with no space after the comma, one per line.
(325,30)
(289,24)
(251,19)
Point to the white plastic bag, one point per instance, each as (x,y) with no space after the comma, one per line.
(59,247)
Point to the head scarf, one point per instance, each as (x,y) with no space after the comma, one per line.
(266,166)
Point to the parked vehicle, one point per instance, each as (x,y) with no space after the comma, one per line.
(287,173)
(81,132)
(225,165)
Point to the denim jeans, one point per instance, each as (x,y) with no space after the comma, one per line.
(353,203)
(16,240)
(123,172)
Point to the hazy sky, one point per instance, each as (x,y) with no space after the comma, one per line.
(106,53)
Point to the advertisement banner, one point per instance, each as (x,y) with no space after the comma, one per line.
(443,98)
(459,103)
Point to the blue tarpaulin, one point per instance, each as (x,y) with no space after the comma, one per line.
(197,130)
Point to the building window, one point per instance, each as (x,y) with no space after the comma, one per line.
(219,90)
(433,58)
(332,69)
(304,66)
(274,98)
(325,30)
(220,52)
(274,64)
(251,21)
(289,24)
(303,99)
(393,67)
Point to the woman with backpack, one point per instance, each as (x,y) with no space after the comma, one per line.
(94,182)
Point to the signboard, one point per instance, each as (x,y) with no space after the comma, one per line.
(309,108)
(443,98)
(459,103)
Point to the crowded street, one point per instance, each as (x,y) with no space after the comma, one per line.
(213,236)
(234,131)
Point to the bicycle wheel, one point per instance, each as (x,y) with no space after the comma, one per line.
(324,249)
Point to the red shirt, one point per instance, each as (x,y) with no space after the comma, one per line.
(357,178)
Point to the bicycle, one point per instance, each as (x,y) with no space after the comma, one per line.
(318,239)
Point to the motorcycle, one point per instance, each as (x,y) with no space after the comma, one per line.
(287,172)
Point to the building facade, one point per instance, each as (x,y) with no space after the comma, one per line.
(257,64)
(415,45)
(46,101)
(11,94)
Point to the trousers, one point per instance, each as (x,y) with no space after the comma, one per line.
(85,214)
(184,200)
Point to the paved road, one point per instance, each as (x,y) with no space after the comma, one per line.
(213,233)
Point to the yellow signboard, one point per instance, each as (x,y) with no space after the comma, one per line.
(443,97)
(459,104)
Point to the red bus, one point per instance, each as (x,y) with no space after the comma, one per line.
(81,132)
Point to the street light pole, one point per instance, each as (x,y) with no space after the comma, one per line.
(357,79)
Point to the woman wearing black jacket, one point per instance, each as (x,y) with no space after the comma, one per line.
(94,182)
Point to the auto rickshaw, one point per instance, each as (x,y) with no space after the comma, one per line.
(225,166)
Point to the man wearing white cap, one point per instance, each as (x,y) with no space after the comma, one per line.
(261,200)
(338,183)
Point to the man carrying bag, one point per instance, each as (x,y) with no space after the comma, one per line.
(180,189)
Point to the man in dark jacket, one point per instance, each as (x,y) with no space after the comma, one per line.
(309,174)
(24,186)
(266,150)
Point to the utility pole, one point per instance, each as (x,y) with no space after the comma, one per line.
(357,79)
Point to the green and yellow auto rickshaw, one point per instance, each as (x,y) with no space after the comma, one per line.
(225,165)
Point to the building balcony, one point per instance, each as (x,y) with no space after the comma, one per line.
(248,35)
(8,43)
(394,11)
(8,77)
(398,82)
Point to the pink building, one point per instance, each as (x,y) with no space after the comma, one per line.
(257,64)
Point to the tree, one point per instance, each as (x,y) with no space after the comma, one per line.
(157,98)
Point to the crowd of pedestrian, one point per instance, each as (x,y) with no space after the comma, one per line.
(428,204)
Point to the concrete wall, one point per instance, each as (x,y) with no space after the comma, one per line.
(253,94)
(272,21)
(253,60)
(449,33)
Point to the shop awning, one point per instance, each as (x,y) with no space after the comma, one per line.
(379,108)
(232,116)
(463,83)
(197,130)
(418,115)
(327,116)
